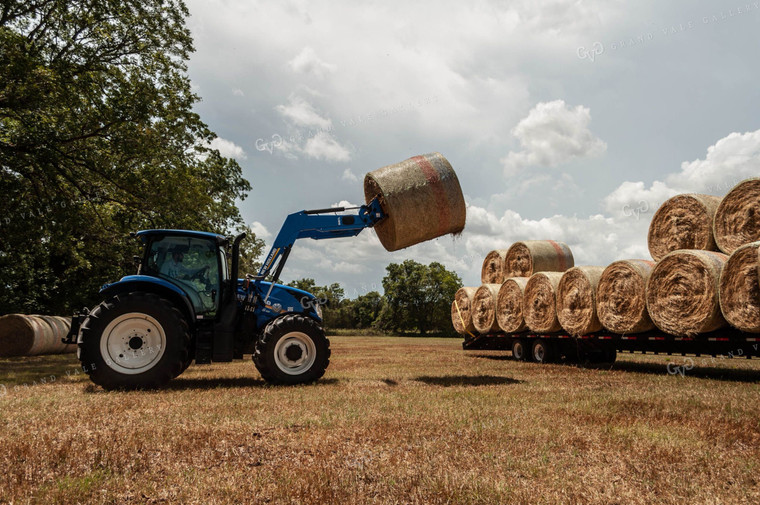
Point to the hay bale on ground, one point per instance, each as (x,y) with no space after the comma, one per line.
(509,305)
(577,300)
(484,308)
(30,335)
(461,310)
(421,197)
(737,220)
(540,302)
(531,256)
(492,271)
(682,292)
(622,296)
(683,222)
(739,291)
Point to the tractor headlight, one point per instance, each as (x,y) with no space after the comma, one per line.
(318,309)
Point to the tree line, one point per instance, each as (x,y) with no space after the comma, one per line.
(416,299)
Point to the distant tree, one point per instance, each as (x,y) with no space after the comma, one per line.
(418,297)
(98,138)
(366,308)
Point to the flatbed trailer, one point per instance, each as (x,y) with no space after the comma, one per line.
(602,347)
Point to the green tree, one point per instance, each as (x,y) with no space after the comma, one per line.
(418,297)
(98,138)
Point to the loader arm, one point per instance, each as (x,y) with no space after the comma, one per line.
(318,225)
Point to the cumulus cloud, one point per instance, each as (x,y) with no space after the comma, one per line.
(323,146)
(301,113)
(307,62)
(348,175)
(228,149)
(732,159)
(551,134)
(261,231)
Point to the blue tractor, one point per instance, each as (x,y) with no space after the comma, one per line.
(186,303)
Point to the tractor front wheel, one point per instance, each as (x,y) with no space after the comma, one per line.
(292,349)
(134,340)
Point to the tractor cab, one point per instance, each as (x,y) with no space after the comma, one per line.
(195,262)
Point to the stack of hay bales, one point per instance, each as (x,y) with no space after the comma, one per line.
(704,277)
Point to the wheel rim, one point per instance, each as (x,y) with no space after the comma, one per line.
(539,353)
(133,343)
(295,353)
(517,350)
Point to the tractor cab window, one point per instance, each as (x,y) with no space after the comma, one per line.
(190,263)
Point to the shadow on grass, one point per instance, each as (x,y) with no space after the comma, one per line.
(179,383)
(34,369)
(466,380)
(679,369)
(495,357)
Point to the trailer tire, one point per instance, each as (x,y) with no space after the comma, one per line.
(518,350)
(134,340)
(542,351)
(292,349)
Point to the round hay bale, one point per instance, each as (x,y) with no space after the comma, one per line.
(421,197)
(577,300)
(461,310)
(29,335)
(683,222)
(622,296)
(739,289)
(530,256)
(540,302)
(492,271)
(737,220)
(682,292)
(509,305)
(484,308)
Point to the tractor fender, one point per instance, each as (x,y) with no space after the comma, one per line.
(152,285)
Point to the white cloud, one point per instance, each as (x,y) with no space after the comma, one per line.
(323,146)
(261,231)
(301,113)
(732,159)
(228,149)
(307,62)
(552,134)
(348,175)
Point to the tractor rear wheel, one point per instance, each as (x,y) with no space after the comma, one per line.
(134,340)
(292,349)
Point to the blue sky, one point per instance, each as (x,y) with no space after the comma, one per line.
(564,120)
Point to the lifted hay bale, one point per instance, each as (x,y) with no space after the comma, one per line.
(492,271)
(683,222)
(30,335)
(577,300)
(421,197)
(682,292)
(739,290)
(484,308)
(509,305)
(737,220)
(531,256)
(540,302)
(461,310)
(622,296)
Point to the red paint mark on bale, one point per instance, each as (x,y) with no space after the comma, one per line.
(560,255)
(432,176)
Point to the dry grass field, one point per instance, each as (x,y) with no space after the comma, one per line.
(395,420)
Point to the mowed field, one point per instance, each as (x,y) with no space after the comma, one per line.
(394,420)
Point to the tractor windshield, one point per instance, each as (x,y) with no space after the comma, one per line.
(190,263)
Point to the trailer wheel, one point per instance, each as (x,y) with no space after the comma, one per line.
(518,350)
(292,350)
(542,351)
(133,341)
